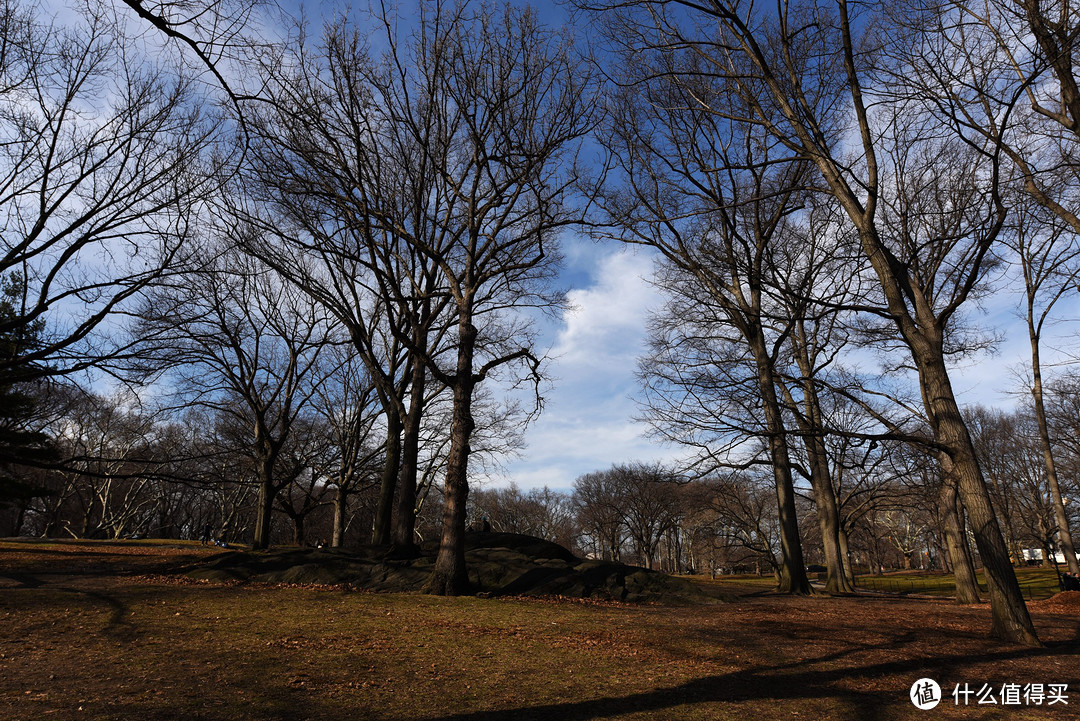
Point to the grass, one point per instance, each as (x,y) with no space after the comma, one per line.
(97,632)
(1035,583)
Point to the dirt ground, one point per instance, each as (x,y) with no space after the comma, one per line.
(111,631)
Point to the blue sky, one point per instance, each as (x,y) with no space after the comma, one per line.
(588,421)
(587,424)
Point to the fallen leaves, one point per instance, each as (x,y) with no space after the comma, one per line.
(255,650)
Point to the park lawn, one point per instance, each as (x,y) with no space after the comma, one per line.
(1035,583)
(119,638)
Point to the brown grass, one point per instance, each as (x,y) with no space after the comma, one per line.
(98,631)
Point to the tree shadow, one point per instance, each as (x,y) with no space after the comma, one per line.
(788,681)
(22,579)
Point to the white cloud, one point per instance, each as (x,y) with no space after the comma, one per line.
(606,321)
(588,423)
(1000,378)
(564,446)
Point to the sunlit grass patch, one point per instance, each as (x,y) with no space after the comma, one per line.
(1035,583)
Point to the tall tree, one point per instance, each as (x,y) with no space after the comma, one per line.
(1049,257)
(238,340)
(714,198)
(810,75)
(509,100)
(336,183)
(597,503)
(811,275)
(348,408)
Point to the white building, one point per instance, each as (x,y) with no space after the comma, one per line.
(1036,555)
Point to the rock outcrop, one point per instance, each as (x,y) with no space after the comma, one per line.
(499,564)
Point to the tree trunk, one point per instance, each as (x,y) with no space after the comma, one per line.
(967,589)
(380,533)
(829,523)
(845,552)
(792,571)
(267,493)
(1065,540)
(262,518)
(404,527)
(924,337)
(812,425)
(340,509)
(1011,621)
(449,576)
(827,513)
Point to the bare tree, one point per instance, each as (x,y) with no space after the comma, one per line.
(1003,75)
(650,506)
(238,340)
(217,33)
(103,166)
(812,275)
(1012,453)
(642,503)
(1049,257)
(807,76)
(539,512)
(740,502)
(597,502)
(335,184)
(715,198)
(510,101)
(348,408)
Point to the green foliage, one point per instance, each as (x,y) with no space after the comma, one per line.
(19,444)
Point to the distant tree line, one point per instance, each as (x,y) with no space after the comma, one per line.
(651,516)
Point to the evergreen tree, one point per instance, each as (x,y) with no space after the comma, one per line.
(20,443)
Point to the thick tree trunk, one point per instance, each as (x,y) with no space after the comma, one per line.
(967,589)
(380,533)
(449,576)
(1011,621)
(836,580)
(925,339)
(792,571)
